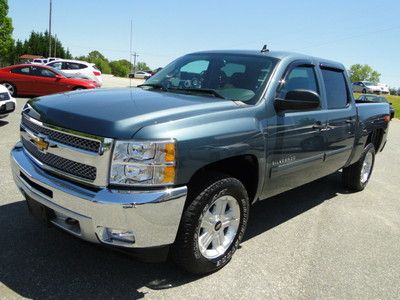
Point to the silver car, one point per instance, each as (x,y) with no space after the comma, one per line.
(366,87)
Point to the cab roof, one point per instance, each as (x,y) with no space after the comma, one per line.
(281,55)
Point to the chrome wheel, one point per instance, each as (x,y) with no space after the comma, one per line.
(366,167)
(10,88)
(218,227)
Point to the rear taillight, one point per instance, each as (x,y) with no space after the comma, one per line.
(96,73)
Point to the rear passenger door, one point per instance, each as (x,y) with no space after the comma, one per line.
(342,114)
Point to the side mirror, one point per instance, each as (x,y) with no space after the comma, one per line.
(298,100)
(58,77)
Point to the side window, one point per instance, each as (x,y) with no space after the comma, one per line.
(22,71)
(336,88)
(82,66)
(301,77)
(42,72)
(72,66)
(195,67)
(231,68)
(56,65)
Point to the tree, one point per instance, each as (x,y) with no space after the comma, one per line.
(360,72)
(142,66)
(120,67)
(393,91)
(6,30)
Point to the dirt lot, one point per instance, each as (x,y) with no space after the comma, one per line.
(317,241)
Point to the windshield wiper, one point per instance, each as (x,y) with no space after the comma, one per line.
(204,91)
(154,85)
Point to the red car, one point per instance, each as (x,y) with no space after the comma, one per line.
(35,80)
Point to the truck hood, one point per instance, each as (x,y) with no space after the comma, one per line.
(120,113)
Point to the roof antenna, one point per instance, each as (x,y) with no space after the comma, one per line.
(264,49)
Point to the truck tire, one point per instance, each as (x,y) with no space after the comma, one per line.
(212,225)
(356,176)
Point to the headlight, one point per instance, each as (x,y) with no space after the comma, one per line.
(4,96)
(143,163)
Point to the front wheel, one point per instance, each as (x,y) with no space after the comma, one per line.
(212,226)
(356,176)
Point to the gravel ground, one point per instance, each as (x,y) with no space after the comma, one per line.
(317,241)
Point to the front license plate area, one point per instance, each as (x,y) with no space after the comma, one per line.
(39,211)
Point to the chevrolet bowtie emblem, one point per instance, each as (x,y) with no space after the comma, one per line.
(41,144)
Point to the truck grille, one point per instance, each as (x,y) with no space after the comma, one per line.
(66,139)
(61,164)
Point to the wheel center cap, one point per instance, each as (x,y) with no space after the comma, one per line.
(218,226)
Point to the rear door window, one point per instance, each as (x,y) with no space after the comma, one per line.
(337,93)
(21,70)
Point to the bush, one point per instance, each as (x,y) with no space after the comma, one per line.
(120,68)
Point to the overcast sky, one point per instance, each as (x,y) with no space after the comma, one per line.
(366,32)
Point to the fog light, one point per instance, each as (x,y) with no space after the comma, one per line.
(120,237)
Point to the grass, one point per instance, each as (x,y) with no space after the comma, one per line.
(395,100)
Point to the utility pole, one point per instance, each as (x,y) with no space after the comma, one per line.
(130,50)
(50,28)
(55,45)
(135,55)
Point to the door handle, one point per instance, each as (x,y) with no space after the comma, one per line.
(349,121)
(318,126)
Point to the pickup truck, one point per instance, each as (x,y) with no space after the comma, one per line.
(172,167)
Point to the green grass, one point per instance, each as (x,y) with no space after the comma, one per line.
(395,100)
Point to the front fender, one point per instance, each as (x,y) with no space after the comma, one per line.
(203,140)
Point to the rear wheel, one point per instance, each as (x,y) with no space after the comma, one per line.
(212,226)
(11,88)
(356,176)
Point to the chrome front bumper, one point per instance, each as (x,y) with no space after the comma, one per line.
(152,217)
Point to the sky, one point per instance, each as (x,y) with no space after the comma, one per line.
(365,32)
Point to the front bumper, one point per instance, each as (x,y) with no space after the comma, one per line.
(152,217)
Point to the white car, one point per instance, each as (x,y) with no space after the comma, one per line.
(384,88)
(140,75)
(7,103)
(77,67)
(366,87)
(39,61)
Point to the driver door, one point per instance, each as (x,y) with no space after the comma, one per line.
(296,141)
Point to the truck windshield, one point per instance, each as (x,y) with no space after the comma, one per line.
(238,77)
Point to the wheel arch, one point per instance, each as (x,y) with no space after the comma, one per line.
(245,168)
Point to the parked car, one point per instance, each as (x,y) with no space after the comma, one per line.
(175,164)
(78,67)
(140,75)
(366,87)
(39,61)
(7,102)
(35,80)
(50,59)
(370,98)
(384,88)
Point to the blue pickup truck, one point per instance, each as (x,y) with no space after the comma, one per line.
(172,166)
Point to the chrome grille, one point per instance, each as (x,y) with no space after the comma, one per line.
(66,139)
(61,164)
